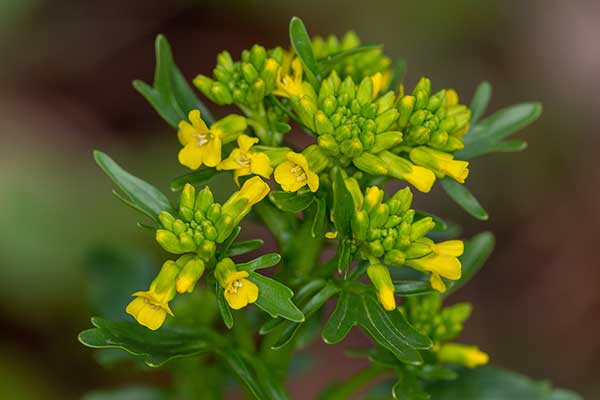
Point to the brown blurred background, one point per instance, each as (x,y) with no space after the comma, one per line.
(65,88)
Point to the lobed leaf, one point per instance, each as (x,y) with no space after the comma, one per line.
(291,202)
(197,178)
(275,298)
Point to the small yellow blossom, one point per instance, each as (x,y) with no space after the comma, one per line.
(243,161)
(294,174)
(150,308)
(202,145)
(439,265)
(239,292)
(440,162)
(289,78)
(455,353)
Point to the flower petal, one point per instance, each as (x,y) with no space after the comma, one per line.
(197,122)
(260,164)
(191,156)
(212,155)
(245,142)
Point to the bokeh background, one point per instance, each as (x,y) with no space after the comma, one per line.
(66,68)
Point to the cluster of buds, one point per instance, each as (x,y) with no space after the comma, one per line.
(426,314)
(245,82)
(201,222)
(356,66)
(389,231)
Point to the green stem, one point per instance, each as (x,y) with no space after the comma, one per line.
(350,386)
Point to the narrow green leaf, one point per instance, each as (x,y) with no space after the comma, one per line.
(343,208)
(291,202)
(477,251)
(224,250)
(509,146)
(275,298)
(412,288)
(319,222)
(156,347)
(197,178)
(244,247)
(224,308)
(480,101)
(487,134)
(238,364)
(309,308)
(140,194)
(302,45)
(342,319)
(398,72)
(267,376)
(327,63)
(171,96)
(461,195)
(264,261)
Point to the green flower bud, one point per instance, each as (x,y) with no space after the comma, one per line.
(306,111)
(385,102)
(187,242)
(166,220)
(250,73)
(204,83)
(404,198)
(347,90)
(376,248)
(385,120)
(379,216)
(207,249)
(214,212)
(317,160)
(258,55)
(192,271)
(179,226)
(421,228)
(423,85)
(169,241)
(323,124)
(329,144)
(371,164)
(373,197)
(365,91)
(329,105)
(395,258)
(417,250)
(269,73)
(354,189)
(381,279)
(257,92)
(220,93)
(224,60)
(351,147)
(386,140)
(405,107)
(223,269)
(188,197)
(360,224)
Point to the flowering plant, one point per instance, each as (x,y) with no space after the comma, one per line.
(341,239)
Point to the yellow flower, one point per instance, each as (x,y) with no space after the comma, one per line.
(244,161)
(381,279)
(294,174)
(439,265)
(469,356)
(150,308)
(289,78)
(239,292)
(440,162)
(202,145)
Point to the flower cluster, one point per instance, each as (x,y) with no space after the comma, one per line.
(443,324)
(194,232)
(390,231)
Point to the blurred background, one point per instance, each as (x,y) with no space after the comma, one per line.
(66,68)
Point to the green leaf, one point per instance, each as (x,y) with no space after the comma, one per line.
(343,205)
(275,298)
(197,178)
(388,328)
(461,195)
(477,251)
(309,308)
(398,72)
(139,194)
(228,242)
(319,221)
(171,96)
(224,308)
(408,387)
(480,101)
(486,136)
(264,261)
(491,383)
(327,63)
(302,45)
(291,202)
(412,288)
(239,248)
(509,146)
(156,347)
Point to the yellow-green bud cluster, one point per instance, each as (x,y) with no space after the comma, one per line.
(435,120)
(245,82)
(388,230)
(426,314)
(356,66)
(350,119)
(200,222)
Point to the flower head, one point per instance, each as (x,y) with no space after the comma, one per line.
(150,308)
(202,145)
(289,78)
(295,173)
(238,291)
(244,161)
